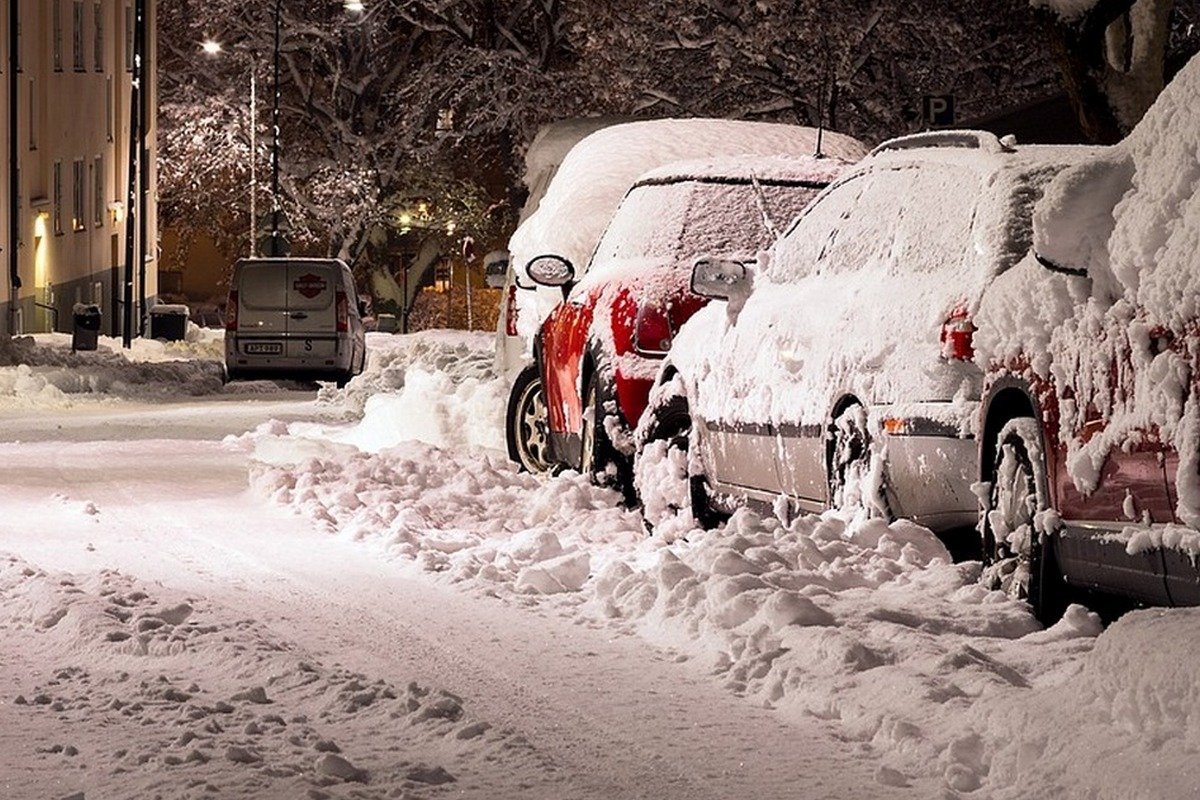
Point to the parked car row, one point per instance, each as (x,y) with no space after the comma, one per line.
(991,339)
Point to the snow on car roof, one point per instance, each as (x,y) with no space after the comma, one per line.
(772,168)
(599,170)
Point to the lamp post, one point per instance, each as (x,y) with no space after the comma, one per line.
(213,48)
(276,246)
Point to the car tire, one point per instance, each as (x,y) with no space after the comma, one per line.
(1018,552)
(598,456)
(850,468)
(674,498)
(526,423)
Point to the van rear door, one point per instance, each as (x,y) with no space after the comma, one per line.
(263,299)
(311,290)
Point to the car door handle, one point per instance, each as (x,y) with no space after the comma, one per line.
(298,315)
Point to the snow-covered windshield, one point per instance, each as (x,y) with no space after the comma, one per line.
(674,222)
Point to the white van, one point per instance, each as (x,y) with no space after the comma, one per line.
(294,318)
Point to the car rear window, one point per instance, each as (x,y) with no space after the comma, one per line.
(675,222)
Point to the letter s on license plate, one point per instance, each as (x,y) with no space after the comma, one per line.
(264,348)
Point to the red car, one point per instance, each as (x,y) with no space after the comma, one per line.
(1090,446)
(597,353)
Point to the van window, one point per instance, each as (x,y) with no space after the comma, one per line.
(262,286)
(310,286)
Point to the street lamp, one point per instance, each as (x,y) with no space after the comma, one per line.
(213,48)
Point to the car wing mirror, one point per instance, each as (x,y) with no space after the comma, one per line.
(552,270)
(720,279)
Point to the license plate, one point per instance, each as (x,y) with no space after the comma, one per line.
(264,348)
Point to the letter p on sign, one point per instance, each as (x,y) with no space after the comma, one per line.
(938,110)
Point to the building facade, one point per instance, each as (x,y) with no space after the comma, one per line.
(72,111)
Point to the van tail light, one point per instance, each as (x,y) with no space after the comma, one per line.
(510,312)
(653,334)
(343,312)
(231,306)
(958,333)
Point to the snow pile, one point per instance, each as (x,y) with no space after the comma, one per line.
(470,517)
(152,691)
(599,170)
(42,369)
(438,387)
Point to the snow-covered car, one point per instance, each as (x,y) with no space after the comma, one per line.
(1091,420)
(840,369)
(597,353)
(573,195)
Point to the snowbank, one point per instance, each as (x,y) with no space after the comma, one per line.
(438,387)
(42,369)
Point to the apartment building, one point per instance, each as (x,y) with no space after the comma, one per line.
(72,107)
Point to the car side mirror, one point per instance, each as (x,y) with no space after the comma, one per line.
(719,279)
(723,279)
(550,270)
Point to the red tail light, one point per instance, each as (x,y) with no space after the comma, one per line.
(957,336)
(510,311)
(231,311)
(343,312)
(653,334)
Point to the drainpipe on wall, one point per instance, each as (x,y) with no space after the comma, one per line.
(134,212)
(14,180)
(143,52)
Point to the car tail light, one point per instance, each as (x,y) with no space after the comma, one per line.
(343,312)
(653,334)
(231,306)
(510,312)
(957,334)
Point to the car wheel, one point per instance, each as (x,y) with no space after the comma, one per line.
(527,426)
(853,479)
(674,497)
(598,457)
(1017,552)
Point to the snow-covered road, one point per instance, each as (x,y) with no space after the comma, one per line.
(580,711)
(253,592)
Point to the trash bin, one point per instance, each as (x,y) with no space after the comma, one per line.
(385,323)
(168,322)
(85,332)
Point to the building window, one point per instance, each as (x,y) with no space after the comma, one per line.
(77,36)
(79,196)
(58,208)
(98,44)
(98,191)
(58,35)
(129,38)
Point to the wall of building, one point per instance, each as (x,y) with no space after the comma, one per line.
(73,118)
